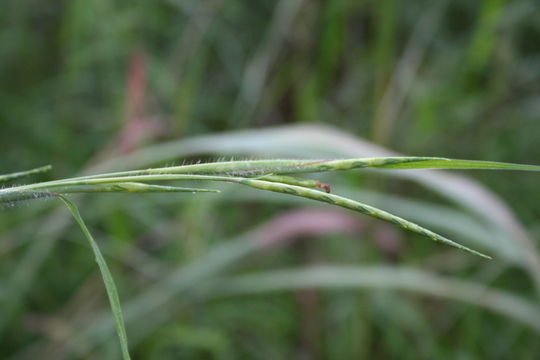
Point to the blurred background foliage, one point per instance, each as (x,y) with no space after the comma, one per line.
(103,85)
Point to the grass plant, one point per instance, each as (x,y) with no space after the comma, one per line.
(154,82)
(266,175)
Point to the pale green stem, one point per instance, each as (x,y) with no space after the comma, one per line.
(21,174)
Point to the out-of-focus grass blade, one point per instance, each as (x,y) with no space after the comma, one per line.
(110,286)
(387,278)
(16,175)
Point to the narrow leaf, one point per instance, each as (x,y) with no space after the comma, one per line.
(445,163)
(112,293)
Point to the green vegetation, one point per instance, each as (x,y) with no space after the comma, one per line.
(226,245)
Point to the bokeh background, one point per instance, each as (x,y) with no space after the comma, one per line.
(90,86)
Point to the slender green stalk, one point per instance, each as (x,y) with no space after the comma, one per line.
(21,174)
(126,187)
(53,189)
(110,286)
(64,186)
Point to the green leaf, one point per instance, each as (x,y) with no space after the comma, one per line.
(110,287)
(445,163)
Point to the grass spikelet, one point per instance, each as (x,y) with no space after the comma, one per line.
(355,206)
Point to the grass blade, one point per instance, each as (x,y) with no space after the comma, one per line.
(112,292)
(445,163)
